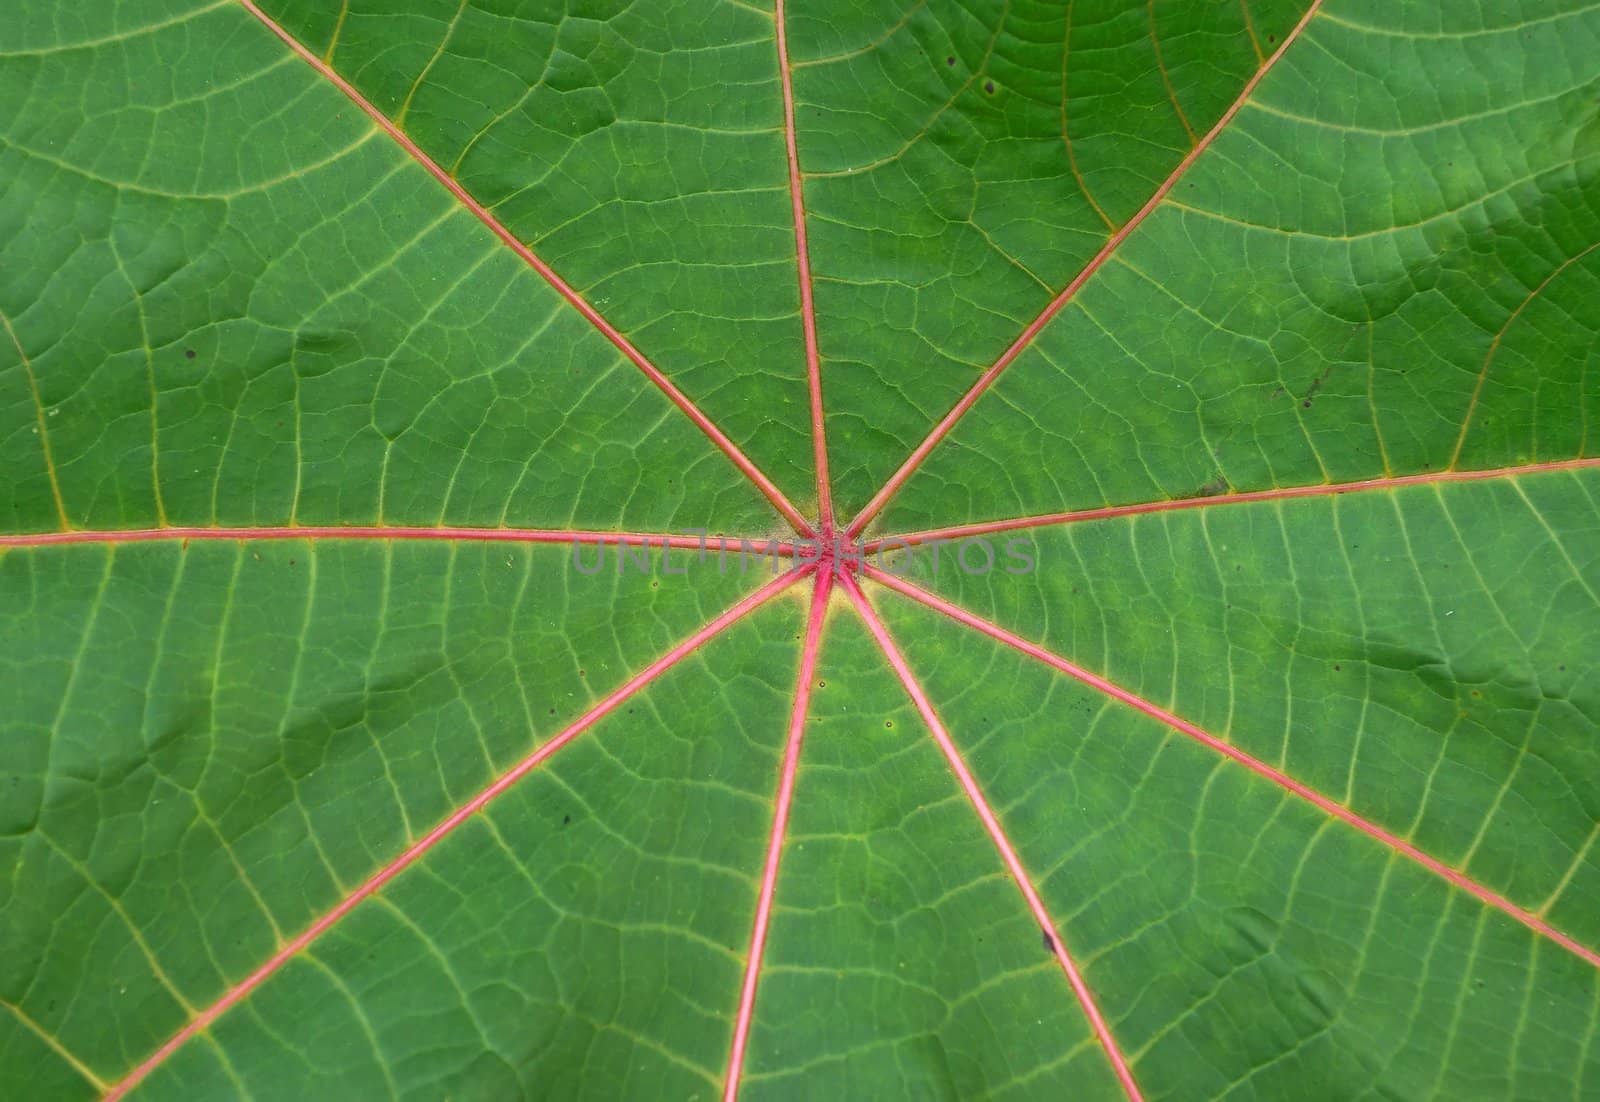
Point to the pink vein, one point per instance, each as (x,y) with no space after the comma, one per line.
(420,847)
(562,287)
(808,312)
(962,531)
(942,429)
(780,824)
(1255,765)
(781,548)
(996,833)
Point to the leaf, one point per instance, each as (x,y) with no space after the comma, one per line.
(905,549)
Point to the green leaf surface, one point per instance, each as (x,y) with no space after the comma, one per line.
(1383,266)
(1245,945)
(583,937)
(1153,650)
(902,960)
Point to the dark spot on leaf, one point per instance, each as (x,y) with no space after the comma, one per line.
(1337,667)
(1049,940)
(566,819)
(188,353)
(950,61)
(1476,693)
(988,86)
(821,684)
(1316,385)
(1218,485)
(888,723)
(583,673)
(1272,38)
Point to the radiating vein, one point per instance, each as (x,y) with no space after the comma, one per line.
(203,1020)
(987,379)
(991,823)
(780,824)
(808,310)
(179,534)
(1281,493)
(768,488)
(1399,845)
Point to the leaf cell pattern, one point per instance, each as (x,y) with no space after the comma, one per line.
(379,721)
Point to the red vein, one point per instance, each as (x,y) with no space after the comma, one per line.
(942,429)
(808,312)
(417,849)
(782,548)
(561,286)
(982,528)
(1255,765)
(1494,346)
(780,824)
(996,834)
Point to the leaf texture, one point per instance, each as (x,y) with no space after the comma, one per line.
(1150,648)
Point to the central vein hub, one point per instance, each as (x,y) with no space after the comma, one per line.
(834,553)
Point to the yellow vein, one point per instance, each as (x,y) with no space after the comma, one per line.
(39,416)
